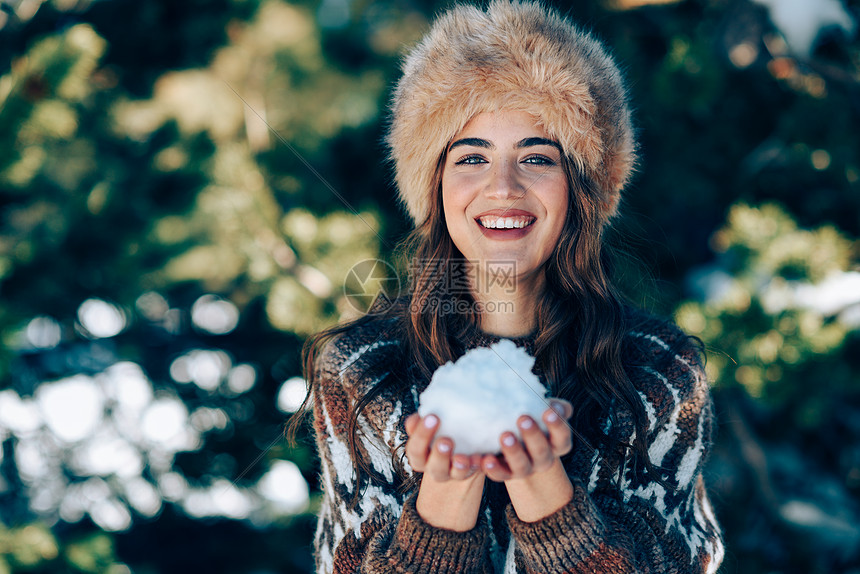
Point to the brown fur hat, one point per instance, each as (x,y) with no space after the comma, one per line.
(517,56)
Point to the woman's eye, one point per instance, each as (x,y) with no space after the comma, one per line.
(539,160)
(470,160)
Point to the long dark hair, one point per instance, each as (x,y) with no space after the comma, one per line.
(581,325)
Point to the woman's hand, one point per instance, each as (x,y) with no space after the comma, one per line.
(532,470)
(450,493)
(436,458)
(538,452)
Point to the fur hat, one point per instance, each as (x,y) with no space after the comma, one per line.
(518,56)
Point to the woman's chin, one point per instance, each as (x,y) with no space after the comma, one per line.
(504,272)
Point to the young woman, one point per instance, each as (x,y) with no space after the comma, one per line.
(512,141)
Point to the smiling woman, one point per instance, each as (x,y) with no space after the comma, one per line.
(505,199)
(512,143)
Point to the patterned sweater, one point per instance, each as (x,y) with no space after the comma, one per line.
(617,521)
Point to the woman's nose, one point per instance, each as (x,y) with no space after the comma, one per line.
(504,182)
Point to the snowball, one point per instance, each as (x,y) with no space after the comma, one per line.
(482,395)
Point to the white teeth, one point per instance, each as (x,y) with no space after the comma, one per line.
(505,222)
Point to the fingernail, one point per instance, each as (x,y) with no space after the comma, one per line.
(431,421)
(490,465)
(526,424)
(509,440)
(552,417)
(458,464)
(558,407)
(444,447)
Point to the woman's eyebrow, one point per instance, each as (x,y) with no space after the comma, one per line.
(477,142)
(528,142)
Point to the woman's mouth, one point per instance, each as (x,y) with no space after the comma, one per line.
(492,222)
(505,227)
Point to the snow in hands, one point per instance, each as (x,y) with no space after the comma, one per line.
(482,395)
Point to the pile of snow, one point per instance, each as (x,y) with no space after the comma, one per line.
(482,395)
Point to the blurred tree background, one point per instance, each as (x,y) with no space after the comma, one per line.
(185,184)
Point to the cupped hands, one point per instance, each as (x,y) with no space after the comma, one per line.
(536,452)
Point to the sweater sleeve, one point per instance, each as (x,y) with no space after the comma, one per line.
(624,522)
(383,533)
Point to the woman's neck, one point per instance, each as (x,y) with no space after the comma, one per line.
(509,309)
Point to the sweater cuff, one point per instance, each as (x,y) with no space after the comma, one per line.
(573,538)
(422,548)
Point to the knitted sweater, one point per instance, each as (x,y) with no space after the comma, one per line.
(617,521)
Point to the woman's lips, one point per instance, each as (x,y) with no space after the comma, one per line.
(505,224)
(505,234)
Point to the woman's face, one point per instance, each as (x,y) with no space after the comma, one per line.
(504,192)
